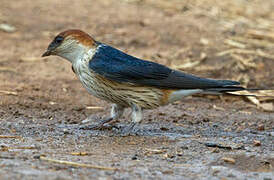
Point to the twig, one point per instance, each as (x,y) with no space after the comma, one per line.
(77,164)
(8,92)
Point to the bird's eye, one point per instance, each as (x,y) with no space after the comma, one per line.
(58,39)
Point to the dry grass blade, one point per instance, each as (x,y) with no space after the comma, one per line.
(155,151)
(234,43)
(264,106)
(218,108)
(77,164)
(263,95)
(8,92)
(8,136)
(208,68)
(258,97)
(94,107)
(254,42)
(188,64)
(7,69)
(260,34)
(245,51)
(23,147)
(246,62)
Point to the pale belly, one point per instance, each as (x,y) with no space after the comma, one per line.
(124,94)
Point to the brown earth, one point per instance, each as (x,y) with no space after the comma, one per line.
(203,137)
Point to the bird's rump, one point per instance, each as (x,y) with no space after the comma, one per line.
(118,66)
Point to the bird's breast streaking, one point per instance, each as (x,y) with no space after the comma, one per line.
(123,93)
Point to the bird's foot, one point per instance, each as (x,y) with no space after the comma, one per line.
(101,125)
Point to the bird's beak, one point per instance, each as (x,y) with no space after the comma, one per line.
(47,53)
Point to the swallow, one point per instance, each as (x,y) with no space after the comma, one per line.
(127,81)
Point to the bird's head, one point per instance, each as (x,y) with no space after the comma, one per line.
(71,45)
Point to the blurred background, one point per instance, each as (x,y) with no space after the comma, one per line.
(222,39)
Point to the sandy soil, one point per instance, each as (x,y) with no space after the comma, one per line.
(42,103)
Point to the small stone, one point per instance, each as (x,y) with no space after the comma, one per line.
(134,157)
(231,175)
(162,113)
(215,150)
(65,131)
(256,143)
(204,41)
(164,129)
(260,127)
(86,121)
(167,172)
(184,147)
(167,155)
(7,28)
(52,103)
(179,153)
(36,156)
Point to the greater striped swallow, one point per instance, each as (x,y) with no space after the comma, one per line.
(127,81)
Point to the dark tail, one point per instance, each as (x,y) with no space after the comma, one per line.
(227,87)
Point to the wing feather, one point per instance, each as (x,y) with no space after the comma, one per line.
(118,66)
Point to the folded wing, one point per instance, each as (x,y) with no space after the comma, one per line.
(118,66)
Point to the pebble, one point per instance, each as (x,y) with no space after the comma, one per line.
(65,131)
(134,157)
(260,127)
(7,28)
(256,143)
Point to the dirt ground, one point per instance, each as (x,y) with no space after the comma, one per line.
(42,104)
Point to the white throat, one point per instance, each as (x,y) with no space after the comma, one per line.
(83,60)
(77,53)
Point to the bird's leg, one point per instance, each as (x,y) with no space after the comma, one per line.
(136,117)
(115,113)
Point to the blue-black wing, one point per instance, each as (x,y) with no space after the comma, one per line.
(118,66)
